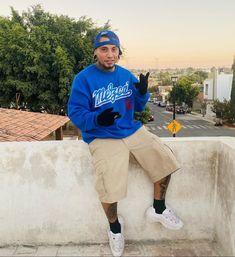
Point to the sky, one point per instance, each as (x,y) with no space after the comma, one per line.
(156,34)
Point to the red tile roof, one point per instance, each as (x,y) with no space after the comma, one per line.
(18,125)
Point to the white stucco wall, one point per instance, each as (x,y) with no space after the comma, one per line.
(47,194)
(208,94)
(223,88)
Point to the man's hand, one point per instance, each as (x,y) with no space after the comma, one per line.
(142,86)
(107,117)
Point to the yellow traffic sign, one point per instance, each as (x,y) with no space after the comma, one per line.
(174,126)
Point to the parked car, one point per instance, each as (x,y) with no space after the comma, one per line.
(151,118)
(162,104)
(170,108)
(155,101)
(180,110)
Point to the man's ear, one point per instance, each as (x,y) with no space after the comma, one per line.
(95,58)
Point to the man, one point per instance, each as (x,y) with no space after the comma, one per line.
(102,103)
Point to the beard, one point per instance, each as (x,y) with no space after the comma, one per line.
(105,67)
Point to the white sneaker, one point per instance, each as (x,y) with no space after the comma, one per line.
(116,241)
(168,218)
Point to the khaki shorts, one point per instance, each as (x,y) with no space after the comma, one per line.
(111,161)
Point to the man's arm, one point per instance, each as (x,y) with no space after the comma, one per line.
(80,113)
(79,110)
(142,95)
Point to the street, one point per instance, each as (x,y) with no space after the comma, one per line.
(192,125)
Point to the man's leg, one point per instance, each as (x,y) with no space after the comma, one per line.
(160,188)
(111,159)
(110,210)
(116,238)
(159,212)
(158,160)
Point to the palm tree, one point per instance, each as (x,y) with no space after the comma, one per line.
(233,84)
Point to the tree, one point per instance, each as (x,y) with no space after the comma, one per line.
(39,55)
(233,85)
(153,89)
(224,110)
(144,116)
(200,76)
(218,108)
(165,78)
(185,90)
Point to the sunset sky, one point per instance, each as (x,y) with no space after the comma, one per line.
(157,33)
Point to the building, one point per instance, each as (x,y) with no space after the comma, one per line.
(164,91)
(218,86)
(16,125)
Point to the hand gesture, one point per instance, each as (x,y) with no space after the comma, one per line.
(142,86)
(107,117)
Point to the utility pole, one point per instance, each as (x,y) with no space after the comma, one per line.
(174,80)
(233,84)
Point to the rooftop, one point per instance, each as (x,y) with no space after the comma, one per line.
(16,125)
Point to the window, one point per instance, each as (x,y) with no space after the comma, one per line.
(206,91)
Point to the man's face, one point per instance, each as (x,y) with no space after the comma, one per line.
(107,55)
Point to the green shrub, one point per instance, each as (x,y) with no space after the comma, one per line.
(144,116)
(224,110)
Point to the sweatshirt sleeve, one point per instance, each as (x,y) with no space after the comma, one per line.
(140,100)
(79,110)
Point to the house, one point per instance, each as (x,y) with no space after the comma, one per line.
(164,92)
(218,86)
(16,125)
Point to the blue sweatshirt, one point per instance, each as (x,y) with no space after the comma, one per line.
(94,91)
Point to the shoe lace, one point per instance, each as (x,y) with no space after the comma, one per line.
(170,215)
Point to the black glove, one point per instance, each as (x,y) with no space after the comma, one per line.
(107,117)
(142,86)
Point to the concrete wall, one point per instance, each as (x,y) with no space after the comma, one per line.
(225,204)
(47,194)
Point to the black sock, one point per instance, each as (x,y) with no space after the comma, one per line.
(159,206)
(115,227)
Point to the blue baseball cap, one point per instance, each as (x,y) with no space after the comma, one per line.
(113,39)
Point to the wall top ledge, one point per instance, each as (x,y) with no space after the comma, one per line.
(225,140)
